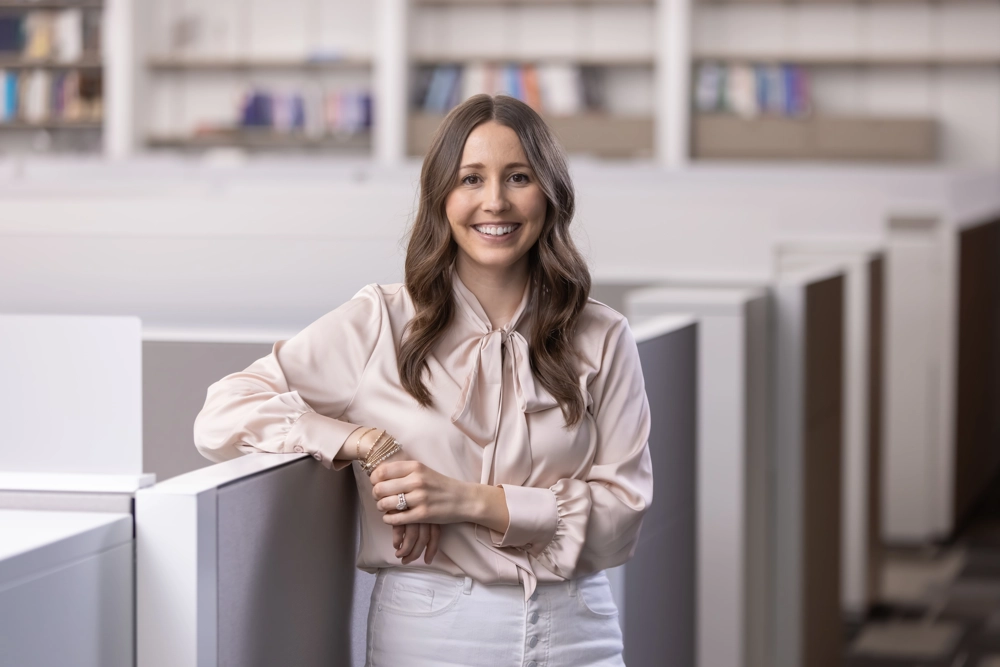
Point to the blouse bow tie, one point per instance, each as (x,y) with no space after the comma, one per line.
(477,413)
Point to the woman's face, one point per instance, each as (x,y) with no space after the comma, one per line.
(496,209)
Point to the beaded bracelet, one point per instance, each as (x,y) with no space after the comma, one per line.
(357,447)
(369,467)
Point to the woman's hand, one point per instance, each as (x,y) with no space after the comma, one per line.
(431,498)
(410,540)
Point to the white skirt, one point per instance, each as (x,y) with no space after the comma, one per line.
(420,618)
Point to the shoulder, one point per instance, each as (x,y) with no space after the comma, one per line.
(599,321)
(599,332)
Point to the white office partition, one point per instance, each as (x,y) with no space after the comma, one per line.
(249,563)
(66,589)
(807,357)
(861,545)
(71,397)
(655,591)
(732,531)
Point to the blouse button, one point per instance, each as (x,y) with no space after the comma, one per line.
(318,456)
(298,449)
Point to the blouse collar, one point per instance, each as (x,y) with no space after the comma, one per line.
(473,310)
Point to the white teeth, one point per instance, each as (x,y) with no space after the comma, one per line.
(496,231)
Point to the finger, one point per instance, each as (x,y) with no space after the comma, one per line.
(409,539)
(393,487)
(423,535)
(432,543)
(389,503)
(397,536)
(392,470)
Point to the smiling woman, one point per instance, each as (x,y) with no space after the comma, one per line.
(521,469)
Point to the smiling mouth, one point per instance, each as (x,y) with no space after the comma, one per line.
(497,231)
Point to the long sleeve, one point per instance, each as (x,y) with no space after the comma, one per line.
(583,525)
(291,399)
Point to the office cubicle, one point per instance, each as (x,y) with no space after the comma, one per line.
(807,354)
(977,419)
(251,561)
(70,464)
(732,469)
(861,496)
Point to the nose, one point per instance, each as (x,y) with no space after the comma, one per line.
(495,197)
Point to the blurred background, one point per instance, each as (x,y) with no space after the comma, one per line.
(797,205)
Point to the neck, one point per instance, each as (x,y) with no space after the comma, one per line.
(499,291)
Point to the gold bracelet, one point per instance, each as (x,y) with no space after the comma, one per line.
(369,468)
(380,449)
(378,442)
(357,447)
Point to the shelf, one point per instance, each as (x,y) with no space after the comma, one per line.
(602,135)
(254,139)
(238,64)
(588,60)
(848,60)
(534,3)
(87,62)
(50,5)
(52,125)
(844,2)
(726,136)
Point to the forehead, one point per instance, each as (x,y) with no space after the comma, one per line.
(492,142)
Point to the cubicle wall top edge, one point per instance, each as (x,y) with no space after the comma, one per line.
(75,482)
(661,326)
(228,335)
(218,475)
(810,275)
(695,300)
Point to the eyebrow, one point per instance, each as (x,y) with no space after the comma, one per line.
(480,165)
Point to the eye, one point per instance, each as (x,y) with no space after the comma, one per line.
(519,178)
(466,180)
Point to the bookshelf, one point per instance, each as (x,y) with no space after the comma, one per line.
(51,76)
(262,77)
(588,66)
(892,80)
(179,75)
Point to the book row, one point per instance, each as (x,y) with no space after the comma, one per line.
(558,89)
(63,36)
(39,96)
(313,111)
(749,90)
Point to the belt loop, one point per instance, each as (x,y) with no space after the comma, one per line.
(572,587)
(468,586)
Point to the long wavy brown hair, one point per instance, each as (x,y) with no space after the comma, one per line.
(559,278)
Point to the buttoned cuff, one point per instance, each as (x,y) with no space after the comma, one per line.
(321,437)
(533,517)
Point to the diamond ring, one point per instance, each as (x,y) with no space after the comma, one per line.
(401,505)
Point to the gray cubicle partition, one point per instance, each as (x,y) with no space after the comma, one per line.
(659,600)
(977,422)
(251,561)
(732,485)
(861,538)
(245,563)
(175,376)
(66,589)
(808,358)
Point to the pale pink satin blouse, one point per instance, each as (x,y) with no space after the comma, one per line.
(576,496)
